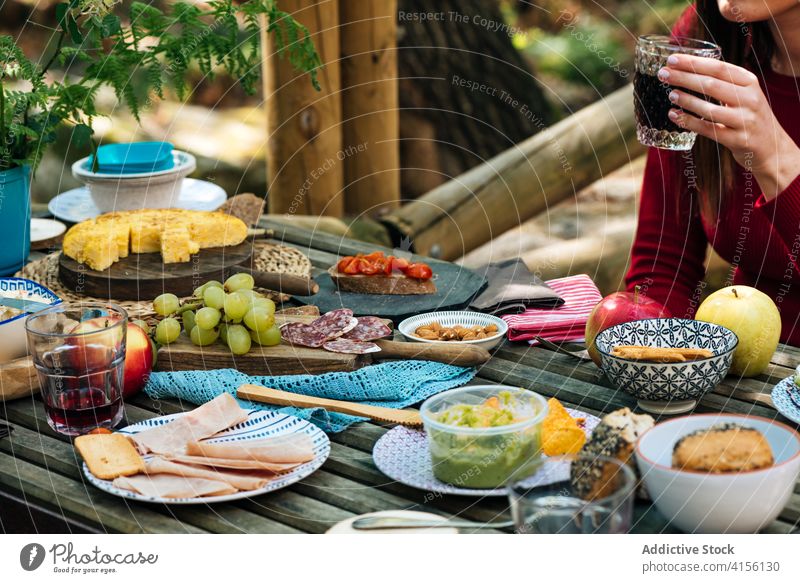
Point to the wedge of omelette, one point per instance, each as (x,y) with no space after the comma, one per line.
(175,233)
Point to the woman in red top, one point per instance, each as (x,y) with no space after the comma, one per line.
(739,188)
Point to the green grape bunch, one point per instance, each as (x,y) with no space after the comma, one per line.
(232,313)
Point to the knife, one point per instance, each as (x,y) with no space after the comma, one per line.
(27,306)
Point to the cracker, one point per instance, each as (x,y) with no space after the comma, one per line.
(109,456)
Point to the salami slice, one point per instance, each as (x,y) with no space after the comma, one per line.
(302,335)
(368,328)
(346,346)
(334,323)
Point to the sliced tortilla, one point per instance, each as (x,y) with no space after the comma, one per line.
(232,464)
(205,421)
(167,486)
(240,481)
(291,448)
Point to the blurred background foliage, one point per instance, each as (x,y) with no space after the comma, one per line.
(561,40)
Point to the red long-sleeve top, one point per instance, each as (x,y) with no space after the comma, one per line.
(760,238)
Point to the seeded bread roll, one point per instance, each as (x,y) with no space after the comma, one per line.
(614,437)
(725,447)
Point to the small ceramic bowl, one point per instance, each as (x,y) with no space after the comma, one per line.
(667,388)
(455,318)
(125,192)
(735,502)
(13,340)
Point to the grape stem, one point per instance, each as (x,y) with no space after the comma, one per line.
(187,307)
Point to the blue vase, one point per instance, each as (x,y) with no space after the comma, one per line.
(15,219)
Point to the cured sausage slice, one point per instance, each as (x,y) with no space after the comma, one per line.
(368,328)
(346,346)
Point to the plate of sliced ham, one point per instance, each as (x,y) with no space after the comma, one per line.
(217,453)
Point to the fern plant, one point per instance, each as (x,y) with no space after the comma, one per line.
(139,58)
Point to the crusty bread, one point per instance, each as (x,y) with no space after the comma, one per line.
(614,437)
(726,447)
(397,284)
(109,455)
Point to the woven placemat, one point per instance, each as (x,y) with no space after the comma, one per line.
(267,257)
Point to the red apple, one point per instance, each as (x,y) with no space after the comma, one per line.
(94,342)
(138,361)
(617,308)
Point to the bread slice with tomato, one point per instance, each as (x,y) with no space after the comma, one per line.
(378,273)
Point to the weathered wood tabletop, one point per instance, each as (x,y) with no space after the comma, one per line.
(42,488)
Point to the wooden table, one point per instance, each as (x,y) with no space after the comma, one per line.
(42,489)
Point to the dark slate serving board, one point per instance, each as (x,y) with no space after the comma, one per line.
(455,287)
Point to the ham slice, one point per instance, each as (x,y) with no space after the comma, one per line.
(240,481)
(232,464)
(205,421)
(291,448)
(167,486)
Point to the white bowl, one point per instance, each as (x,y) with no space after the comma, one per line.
(453,318)
(699,502)
(13,340)
(126,192)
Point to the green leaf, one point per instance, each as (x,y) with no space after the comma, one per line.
(61,13)
(110,25)
(82,134)
(74,31)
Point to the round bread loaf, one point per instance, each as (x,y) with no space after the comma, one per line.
(725,447)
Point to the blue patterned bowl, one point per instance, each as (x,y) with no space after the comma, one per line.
(667,387)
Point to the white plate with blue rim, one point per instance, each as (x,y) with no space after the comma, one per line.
(76,205)
(259,425)
(786,398)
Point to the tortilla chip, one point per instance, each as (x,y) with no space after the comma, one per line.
(561,433)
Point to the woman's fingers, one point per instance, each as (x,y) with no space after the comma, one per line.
(729,116)
(717,132)
(713,68)
(711,86)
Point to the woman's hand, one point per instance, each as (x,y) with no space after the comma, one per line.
(743,121)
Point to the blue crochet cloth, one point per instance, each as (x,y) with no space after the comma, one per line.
(390,384)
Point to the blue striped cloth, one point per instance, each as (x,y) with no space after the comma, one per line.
(390,384)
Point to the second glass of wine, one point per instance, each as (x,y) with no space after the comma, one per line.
(651,95)
(79,354)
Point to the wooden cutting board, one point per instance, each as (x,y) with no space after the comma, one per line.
(286,359)
(283,359)
(143,276)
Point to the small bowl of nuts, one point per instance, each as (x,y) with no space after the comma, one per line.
(466,327)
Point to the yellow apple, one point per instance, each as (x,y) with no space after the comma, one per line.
(753,317)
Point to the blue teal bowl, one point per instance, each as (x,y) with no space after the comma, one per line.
(671,381)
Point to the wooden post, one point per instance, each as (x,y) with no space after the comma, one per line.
(304,173)
(370,106)
(521,182)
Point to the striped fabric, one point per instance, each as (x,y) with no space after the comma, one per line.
(563,324)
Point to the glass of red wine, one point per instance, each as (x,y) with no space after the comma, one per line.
(79,353)
(651,95)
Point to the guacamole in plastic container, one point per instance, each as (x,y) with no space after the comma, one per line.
(484,436)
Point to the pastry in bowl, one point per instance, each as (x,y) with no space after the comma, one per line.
(666,363)
(719,473)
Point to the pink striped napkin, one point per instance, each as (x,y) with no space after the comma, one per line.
(566,323)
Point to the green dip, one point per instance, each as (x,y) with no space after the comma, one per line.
(485,459)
